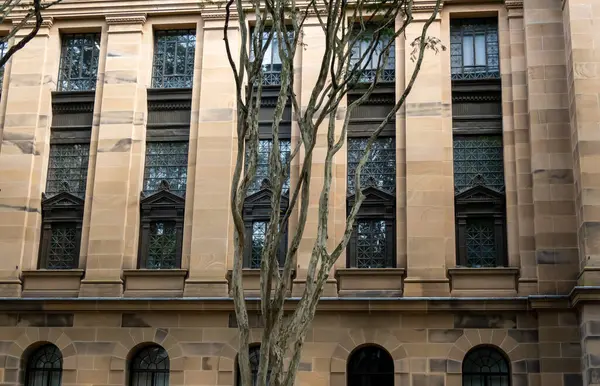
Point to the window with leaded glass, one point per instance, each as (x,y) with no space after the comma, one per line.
(67,169)
(166,161)
(150,367)
(370,366)
(368,57)
(474,48)
(79,62)
(64,247)
(485,366)
(3,49)
(271,64)
(44,366)
(262,165)
(174,52)
(380,169)
(162,251)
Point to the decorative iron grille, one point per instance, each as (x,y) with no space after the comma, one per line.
(174,52)
(259,231)
(150,367)
(372,244)
(481,243)
(64,251)
(478,160)
(262,165)
(44,367)
(370,366)
(3,49)
(380,169)
(485,366)
(271,64)
(166,161)
(367,68)
(67,169)
(162,248)
(474,49)
(79,62)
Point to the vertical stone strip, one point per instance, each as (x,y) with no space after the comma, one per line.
(400,151)
(515,111)
(24,145)
(590,344)
(551,159)
(429,185)
(582,37)
(116,189)
(212,230)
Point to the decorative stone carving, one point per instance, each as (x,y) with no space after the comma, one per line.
(126,19)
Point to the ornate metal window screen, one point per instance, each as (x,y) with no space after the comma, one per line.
(150,367)
(371,61)
(370,366)
(474,49)
(478,160)
(262,166)
(44,367)
(3,49)
(162,248)
(174,52)
(166,161)
(481,243)
(79,62)
(372,244)
(485,366)
(67,169)
(379,170)
(259,231)
(271,64)
(64,247)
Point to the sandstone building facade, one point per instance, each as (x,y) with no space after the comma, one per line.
(478,265)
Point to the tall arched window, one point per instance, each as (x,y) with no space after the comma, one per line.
(44,367)
(150,367)
(370,366)
(485,366)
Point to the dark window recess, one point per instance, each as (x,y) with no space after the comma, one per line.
(150,367)
(478,160)
(485,366)
(372,55)
(254,355)
(174,52)
(44,367)
(79,62)
(380,169)
(257,212)
(474,48)
(3,49)
(66,179)
(265,147)
(271,64)
(166,161)
(162,205)
(370,366)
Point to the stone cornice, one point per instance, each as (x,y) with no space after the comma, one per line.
(426,5)
(47,22)
(133,19)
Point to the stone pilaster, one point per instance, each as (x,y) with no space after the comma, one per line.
(212,229)
(550,148)
(429,185)
(590,343)
(117,183)
(25,144)
(582,39)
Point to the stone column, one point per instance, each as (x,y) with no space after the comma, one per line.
(550,147)
(212,228)
(117,183)
(25,144)
(582,38)
(429,184)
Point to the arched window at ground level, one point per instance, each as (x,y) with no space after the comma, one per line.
(370,366)
(149,367)
(44,366)
(485,366)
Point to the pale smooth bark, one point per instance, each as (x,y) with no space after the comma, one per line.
(344,26)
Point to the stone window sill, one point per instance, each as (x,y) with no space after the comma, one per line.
(480,282)
(52,282)
(251,282)
(371,282)
(154,282)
